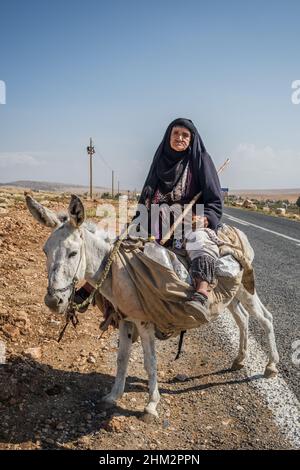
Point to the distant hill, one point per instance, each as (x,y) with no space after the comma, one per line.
(291,194)
(52,186)
(267,191)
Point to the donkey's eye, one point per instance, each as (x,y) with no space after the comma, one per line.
(73,253)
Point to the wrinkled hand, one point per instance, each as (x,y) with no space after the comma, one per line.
(199,221)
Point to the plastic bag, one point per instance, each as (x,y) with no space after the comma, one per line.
(158,253)
(227,266)
(162,256)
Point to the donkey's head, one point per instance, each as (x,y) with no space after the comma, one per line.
(66,260)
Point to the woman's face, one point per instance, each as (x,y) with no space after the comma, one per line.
(180,138)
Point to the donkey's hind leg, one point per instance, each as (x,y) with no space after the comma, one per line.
(146,331)
(125,342)
(256,308)
(241,317)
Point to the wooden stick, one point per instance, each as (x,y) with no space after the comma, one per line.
(187,209)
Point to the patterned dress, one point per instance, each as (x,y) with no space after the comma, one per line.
(200,244)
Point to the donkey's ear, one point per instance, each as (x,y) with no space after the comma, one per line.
(43,215)
(76,211)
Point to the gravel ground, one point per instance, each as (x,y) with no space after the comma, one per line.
(50,394)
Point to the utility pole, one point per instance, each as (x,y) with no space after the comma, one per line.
(118,187)
(112,183)
(91,150)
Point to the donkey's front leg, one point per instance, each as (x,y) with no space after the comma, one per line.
(125,343)
(146,331)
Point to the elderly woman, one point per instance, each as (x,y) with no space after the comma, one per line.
(182,168)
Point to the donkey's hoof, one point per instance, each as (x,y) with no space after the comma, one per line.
(149,418)
(237,365)
(271,372)
(107,403)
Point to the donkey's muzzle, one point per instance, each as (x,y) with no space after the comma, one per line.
(54,302)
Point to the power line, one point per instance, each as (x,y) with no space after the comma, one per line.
(104,161)
(111,169)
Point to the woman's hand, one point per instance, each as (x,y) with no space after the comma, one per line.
(199,221)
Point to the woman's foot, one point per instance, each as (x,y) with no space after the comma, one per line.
(200,297)
(201,288)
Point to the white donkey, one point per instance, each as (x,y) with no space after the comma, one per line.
(79,250)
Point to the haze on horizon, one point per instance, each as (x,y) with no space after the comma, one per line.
(120,72)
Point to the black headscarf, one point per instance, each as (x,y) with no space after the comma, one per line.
(168,166)
(171,163)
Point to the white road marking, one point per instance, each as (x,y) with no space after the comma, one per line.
(279,398)
(243,222)
(234,219)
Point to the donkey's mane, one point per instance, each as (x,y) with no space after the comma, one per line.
(93,228)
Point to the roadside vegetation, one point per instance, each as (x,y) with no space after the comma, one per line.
(278,208)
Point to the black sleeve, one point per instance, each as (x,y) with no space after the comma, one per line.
(211,191)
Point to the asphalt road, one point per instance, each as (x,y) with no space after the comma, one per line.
(276,242)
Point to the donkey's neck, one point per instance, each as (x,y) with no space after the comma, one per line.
(97,250)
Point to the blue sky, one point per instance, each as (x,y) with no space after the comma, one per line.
(120,71)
